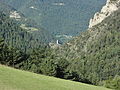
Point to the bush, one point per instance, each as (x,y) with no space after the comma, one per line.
(113,83)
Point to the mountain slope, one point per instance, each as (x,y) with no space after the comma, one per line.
(19,36)
(60,17)
(26,23)
(110,7)
(12,79)
(20,32)
(95,54)
(15,36)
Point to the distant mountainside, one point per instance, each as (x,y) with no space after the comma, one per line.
(15,36)
(21,32)
(60,17)
(29,25)
(95,54)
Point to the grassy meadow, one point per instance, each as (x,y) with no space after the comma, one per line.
(12,79)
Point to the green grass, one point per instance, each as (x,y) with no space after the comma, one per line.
(12,79)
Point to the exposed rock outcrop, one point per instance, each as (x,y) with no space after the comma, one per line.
(15,14)
(109,8)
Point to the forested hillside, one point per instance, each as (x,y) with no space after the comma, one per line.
(27,24)
(59,17)
(93,57)
(16,36)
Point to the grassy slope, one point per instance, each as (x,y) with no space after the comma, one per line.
(12,79)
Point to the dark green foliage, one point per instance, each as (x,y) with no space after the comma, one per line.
(95,54)
(113,83)
(48,67)
(15,36)
(62,65)
(10,56)
(42,61)
(36,57)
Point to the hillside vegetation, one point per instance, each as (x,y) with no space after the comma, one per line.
(95,55)
(28,25)
(92,58)
(22,35)
(70,18)
(12,79)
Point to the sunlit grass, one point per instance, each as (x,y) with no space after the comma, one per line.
(12,79)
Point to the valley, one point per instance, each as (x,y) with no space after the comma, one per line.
(59,17)
(54,56)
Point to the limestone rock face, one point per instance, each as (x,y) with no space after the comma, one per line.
(109,8)
(15,14)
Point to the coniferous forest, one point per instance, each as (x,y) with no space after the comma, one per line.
(93,57)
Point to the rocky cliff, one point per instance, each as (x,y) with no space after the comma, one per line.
(109,8)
